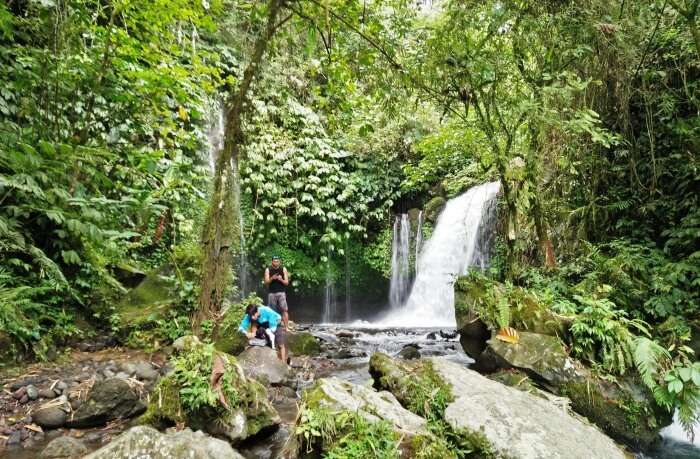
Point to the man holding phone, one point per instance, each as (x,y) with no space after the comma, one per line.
(277,278)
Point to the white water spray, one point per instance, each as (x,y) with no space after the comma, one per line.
(329,303)
(400,268)
(450,251)
(419,239)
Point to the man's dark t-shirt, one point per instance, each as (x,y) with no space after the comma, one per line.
(276,286)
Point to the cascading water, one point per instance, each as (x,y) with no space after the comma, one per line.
(215,136)
(419,239)
(329,303)
(243,255)
(348,304)
(453,247)
(400,268)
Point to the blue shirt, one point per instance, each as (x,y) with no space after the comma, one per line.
(267,318)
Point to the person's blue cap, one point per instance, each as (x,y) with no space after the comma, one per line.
(276,257)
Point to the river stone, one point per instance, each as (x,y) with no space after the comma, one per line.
(147,442)
(541,356)
(64,448)
(231,341)
(185,342)
(261,363)
(336,394)
(107,400)
(409,352)
(47,393)
(32,392)
(52,416)
(145,371)
(303,343)
(516,423)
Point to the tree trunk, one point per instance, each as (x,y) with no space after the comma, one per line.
(220,232)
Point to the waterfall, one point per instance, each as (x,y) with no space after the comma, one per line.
(243,255)
(329,303)
(400,269)
(215,135)
(453,247)
(348,304)
(419,239)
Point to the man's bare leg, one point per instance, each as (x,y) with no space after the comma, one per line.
(285,320)
(282,353)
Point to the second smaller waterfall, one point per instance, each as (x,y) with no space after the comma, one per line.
(329,301)
(400,268)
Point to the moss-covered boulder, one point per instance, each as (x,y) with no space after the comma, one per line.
(208,390)
(338,416)
(303,343)
(231,342)
(107,400)
(433,208)
(478,297)
(151,298)
(492,418)
(542,357)
(624,409)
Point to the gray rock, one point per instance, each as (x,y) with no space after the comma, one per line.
(145,371)
(516,423)
(121,375)
(128,368)
(107,400)
(261,363)
(47,393)
(15,438)
(52,416)
(146,442)
(108,373)
(64,448)
(32,392)
(184,342)
(541,356)
(60,387)
(336,394)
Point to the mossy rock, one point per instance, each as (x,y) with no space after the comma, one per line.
(433,208)
(303,343)
(247,411)
(231,342)
(151,299)
(624,409)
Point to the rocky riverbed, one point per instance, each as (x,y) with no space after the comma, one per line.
(91,395)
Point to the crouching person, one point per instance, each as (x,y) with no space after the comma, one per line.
(268,320)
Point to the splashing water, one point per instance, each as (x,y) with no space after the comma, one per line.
(329,303)
(419,239)
(454,246)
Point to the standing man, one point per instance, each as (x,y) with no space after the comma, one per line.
(277,279)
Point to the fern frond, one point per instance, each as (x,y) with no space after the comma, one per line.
(649,358)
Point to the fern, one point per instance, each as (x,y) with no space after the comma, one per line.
(650,359)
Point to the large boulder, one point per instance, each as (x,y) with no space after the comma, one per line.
(231,342)
(623,409)
(433,208)
(542,357)
(261,363)
(52,414)
(235,407)
(147,442)
(499,420)
(303,343)
(151,299)
(64,448)
(113,398)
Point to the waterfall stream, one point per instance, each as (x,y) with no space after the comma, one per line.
(329,301)
(419,239)
(400,268)
(456,244)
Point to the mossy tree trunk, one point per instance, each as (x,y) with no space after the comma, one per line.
(220,231)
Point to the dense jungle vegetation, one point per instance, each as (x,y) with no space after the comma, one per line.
(338,114)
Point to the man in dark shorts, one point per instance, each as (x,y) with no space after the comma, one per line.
(261,317)
(277,279)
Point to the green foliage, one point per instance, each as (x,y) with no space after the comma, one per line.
(345,435)
(602,334)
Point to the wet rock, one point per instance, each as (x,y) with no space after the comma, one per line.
(261,363)
(431,336)
(433,208)
(303,343)
(448,335)
(19,393)
(64,448)
(145,371)
(128,368)
(107,400)
(543,357)
(498,420)
(32,392)
(409,352)
(52,416)
(143,441)
(47,393)
(345,334)
(347,353)
(60,387)
(15,438)
(25,382)
(24,399)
